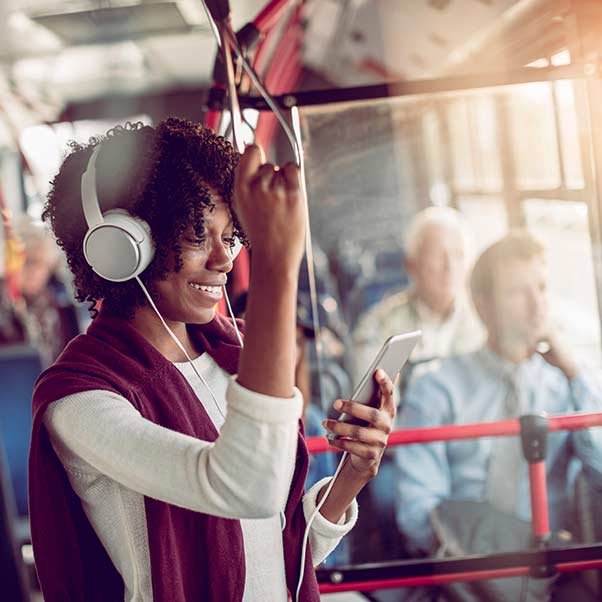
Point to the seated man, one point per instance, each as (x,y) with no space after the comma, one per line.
(504,379)
(437,259)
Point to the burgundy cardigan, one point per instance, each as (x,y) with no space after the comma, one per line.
(194,557)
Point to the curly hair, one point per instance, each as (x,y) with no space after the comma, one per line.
(168,175)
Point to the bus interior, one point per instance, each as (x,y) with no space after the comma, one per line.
(492,108)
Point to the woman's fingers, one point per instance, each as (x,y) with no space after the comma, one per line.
(358,433)
(281,181)
(253,172)
(365,444)
(387,400)
(292,177)
(264,176)
(377,418)
(248,165)
(253,169)
(267,203)
(355,448)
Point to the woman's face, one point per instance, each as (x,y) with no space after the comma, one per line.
(191,294)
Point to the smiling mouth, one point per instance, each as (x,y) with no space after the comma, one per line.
(206,288)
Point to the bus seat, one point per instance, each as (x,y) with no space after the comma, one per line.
(12,571)
(20,365)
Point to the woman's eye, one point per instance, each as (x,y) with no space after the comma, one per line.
(229,241)
(196,241)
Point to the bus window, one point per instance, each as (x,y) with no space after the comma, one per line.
(564,227)
(533,136)
(486,161)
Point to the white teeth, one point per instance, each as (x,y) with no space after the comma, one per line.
(208,289)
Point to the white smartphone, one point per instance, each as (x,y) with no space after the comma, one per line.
(392,356)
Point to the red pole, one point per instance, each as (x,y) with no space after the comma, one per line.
(539,500)
(281,74)
(375,584)
(212,119)
(451,432)
(574,422)
(269,15)
(426,580)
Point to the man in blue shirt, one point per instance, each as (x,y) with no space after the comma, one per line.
(504,379)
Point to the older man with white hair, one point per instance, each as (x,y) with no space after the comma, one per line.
(438,248)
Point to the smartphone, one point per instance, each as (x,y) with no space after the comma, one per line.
(392,356)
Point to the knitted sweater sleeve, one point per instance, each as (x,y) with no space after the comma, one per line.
(243,474)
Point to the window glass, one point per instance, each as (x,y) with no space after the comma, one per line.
(474,161)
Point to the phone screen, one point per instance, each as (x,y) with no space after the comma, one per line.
(392,356)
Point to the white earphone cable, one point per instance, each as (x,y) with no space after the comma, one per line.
(311,520)
(238,336)
(179,344)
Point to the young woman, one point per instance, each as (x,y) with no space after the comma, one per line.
(153,478)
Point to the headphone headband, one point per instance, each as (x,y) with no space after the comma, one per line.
(90,203)
(117,245)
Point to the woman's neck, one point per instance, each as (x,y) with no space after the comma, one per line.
(147,323)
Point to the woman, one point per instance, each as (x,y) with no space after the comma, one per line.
(133,494)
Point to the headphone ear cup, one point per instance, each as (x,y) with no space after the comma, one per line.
(120,248)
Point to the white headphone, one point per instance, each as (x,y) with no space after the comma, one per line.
(118,246)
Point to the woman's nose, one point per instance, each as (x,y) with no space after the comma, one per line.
(220,258)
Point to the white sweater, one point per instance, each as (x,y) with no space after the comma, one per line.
(114,457)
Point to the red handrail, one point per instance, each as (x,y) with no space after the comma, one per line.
(451,432)
(432,580)
(537,479)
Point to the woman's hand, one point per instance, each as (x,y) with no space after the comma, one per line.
(365,444)
(269,204)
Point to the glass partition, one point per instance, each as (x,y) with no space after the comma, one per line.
(492,161)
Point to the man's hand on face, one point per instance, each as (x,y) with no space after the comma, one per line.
(559,354)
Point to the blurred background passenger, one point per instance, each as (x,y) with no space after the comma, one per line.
(474,492)
(12,308)
(12,327)
(438,247)
(51,316)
